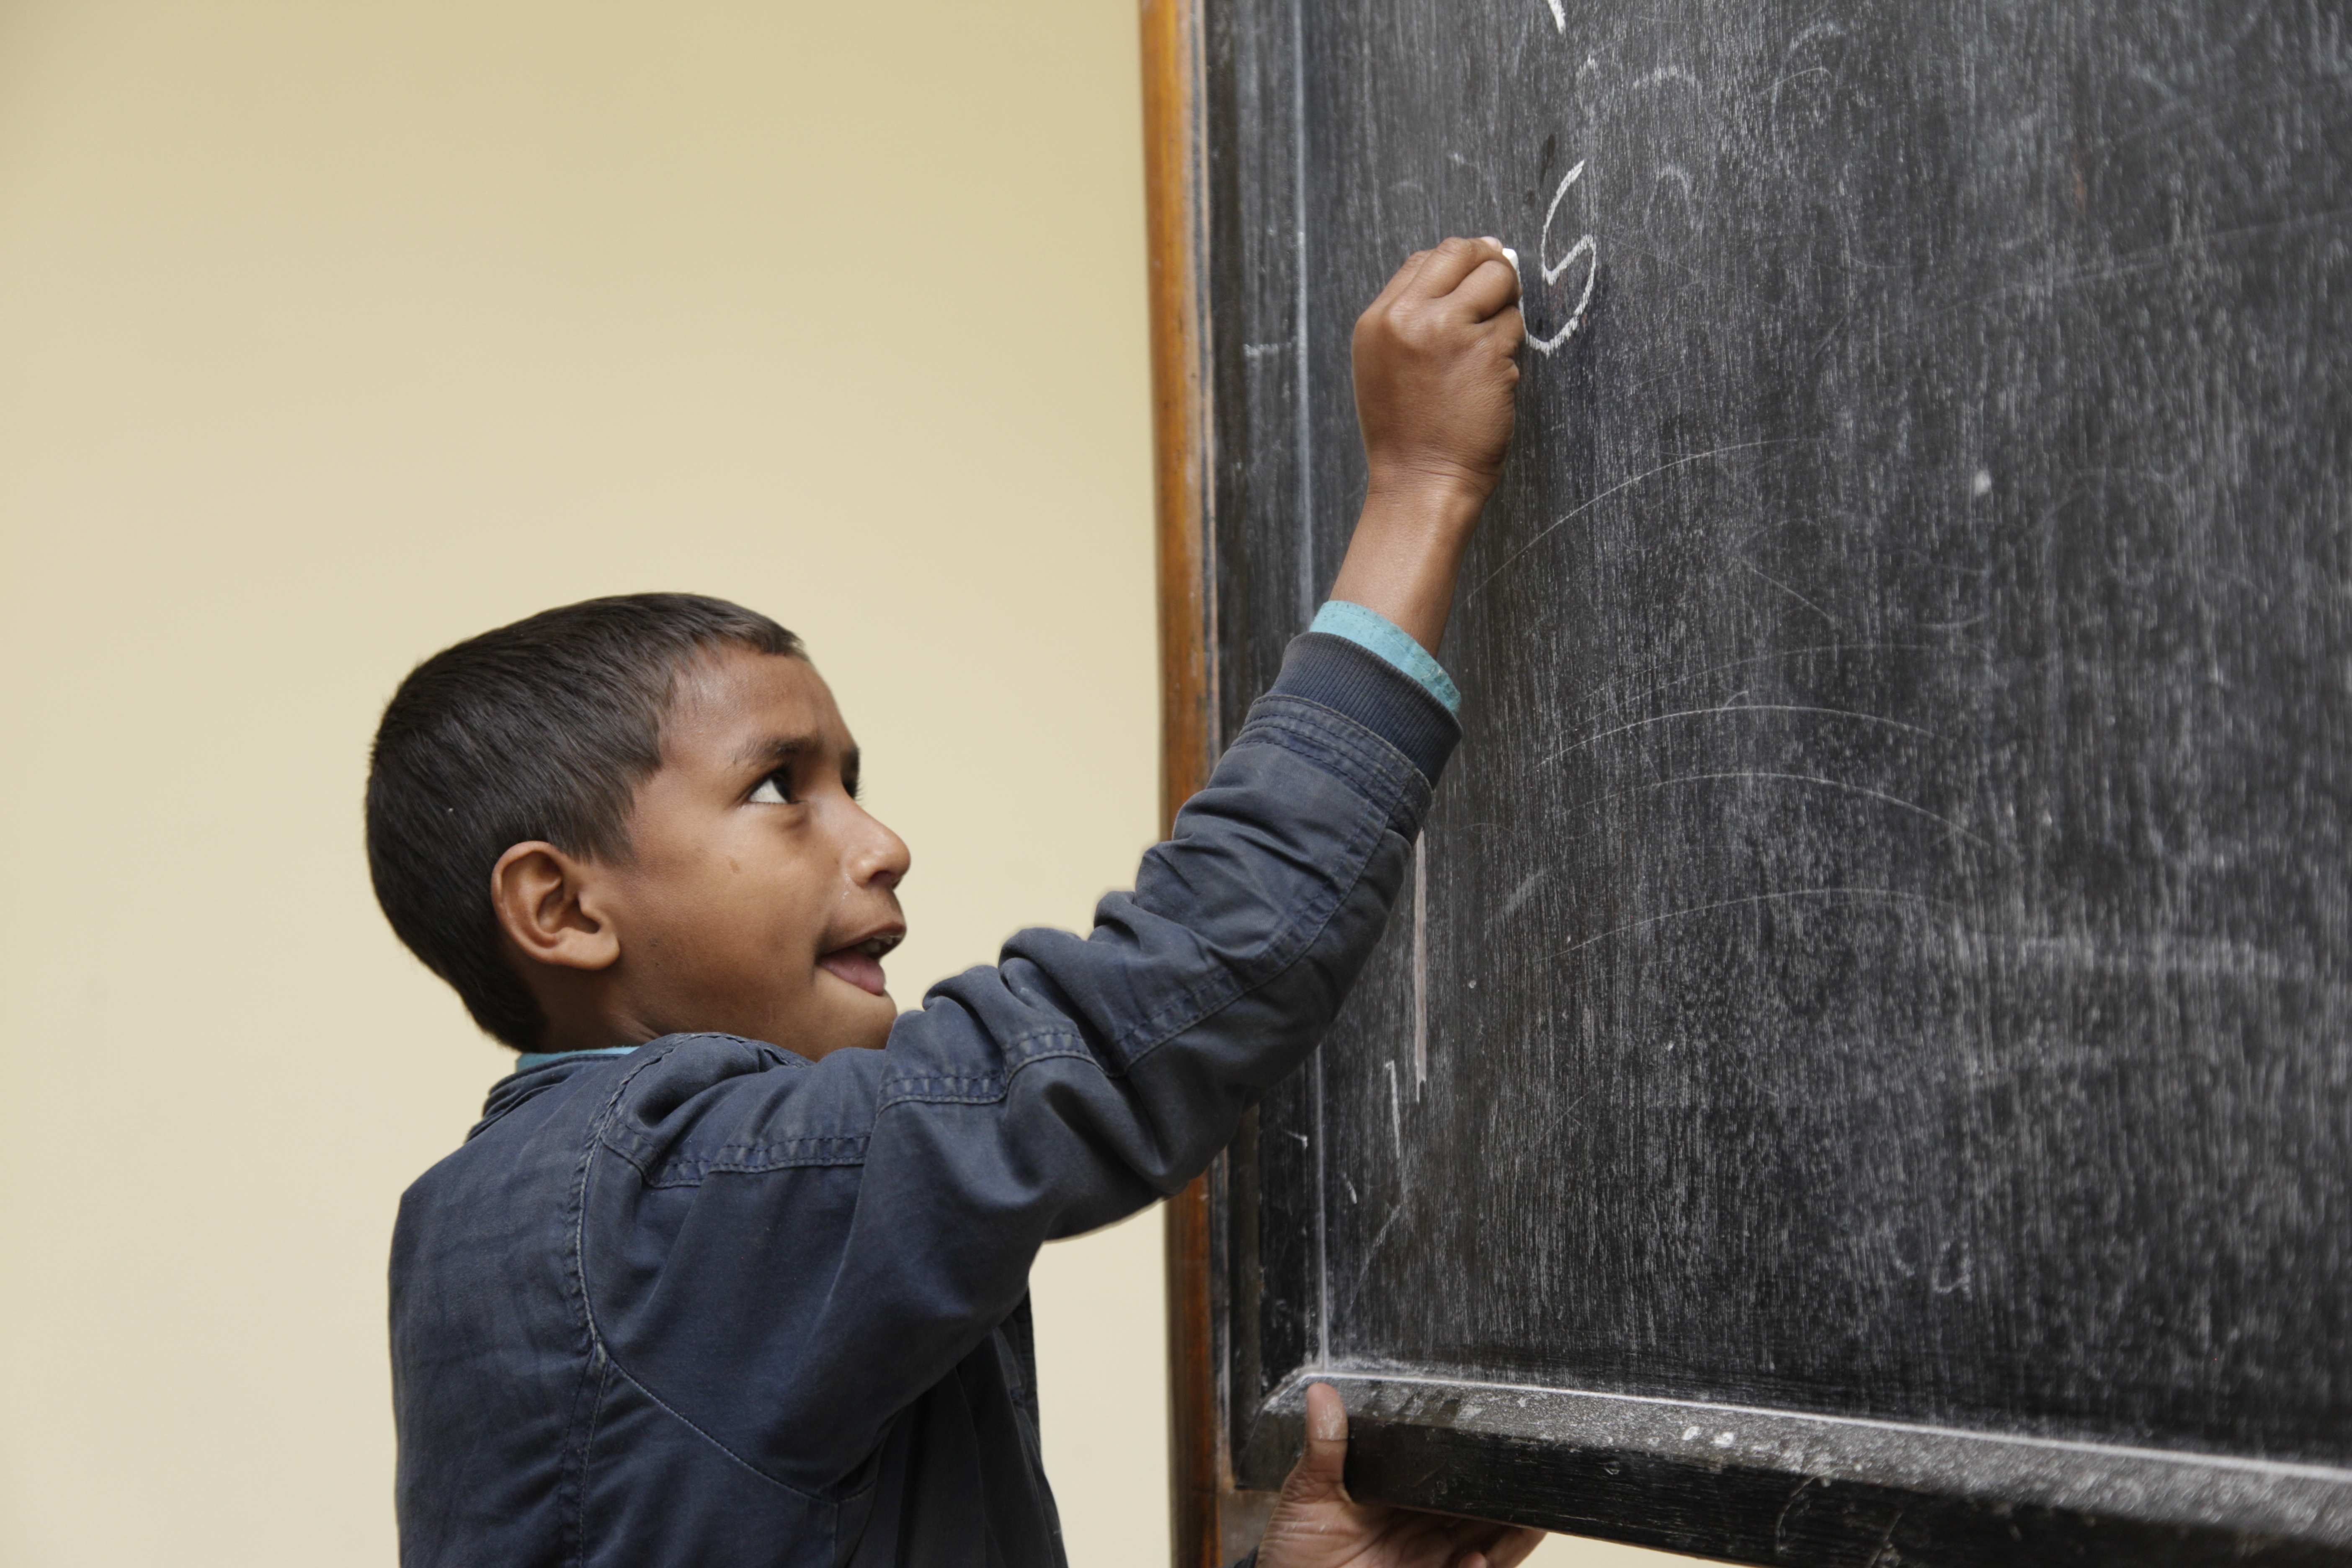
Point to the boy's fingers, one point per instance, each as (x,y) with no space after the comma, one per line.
(1490,286)
(1453,261)
(1322,1468)
(1398,280)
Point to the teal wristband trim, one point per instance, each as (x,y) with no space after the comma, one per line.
(1384,639)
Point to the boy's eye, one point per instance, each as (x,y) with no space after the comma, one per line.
(772,791)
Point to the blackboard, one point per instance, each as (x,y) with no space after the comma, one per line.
(1864,1074)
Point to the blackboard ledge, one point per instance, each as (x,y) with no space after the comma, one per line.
(1750,1485)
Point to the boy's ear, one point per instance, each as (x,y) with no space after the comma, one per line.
(547,903)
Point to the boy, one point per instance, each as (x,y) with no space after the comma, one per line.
(734,1267)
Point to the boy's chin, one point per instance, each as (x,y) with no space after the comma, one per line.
(857,1017)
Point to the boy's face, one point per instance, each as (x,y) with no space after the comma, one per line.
(760,895)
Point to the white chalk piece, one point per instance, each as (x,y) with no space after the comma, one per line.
(1513,258)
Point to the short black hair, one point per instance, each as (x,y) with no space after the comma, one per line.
(541,729)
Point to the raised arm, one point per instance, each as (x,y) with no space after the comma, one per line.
(841,1233)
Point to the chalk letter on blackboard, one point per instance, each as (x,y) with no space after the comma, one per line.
(1552,269)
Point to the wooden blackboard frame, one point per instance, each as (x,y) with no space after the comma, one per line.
(1729,1482)
(1200,1473)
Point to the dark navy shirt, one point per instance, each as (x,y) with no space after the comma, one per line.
(711,1302)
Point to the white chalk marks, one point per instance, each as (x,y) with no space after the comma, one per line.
(1552,270)
(1420,965)
(1897,894)
(1559,16)
(1396,1113)
(1665,467)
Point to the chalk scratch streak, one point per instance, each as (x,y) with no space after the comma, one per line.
(1396,1114)
(1520,894)
(1742,561)
(1734,903)
(1420,963)
(1364,1269)
(1567,518)
(1793,76)
(1780,1519)
(2050,283)
(1738,708)
(1894,800)
(2201,109)
(1703,673)
(1666,74)
(1886,1542)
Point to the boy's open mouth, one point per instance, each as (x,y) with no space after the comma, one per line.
(860,963)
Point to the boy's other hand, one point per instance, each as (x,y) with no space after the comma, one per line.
(1316,1525)
(1435,373)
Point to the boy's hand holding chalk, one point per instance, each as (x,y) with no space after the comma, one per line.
(1436,378)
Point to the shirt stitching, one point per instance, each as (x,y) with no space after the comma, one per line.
(581,1181)
(662,1166)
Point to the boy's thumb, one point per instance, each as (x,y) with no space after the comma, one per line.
(1321,1469)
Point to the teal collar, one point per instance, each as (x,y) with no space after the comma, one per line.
(529,1060)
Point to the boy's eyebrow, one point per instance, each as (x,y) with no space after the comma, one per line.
(773,751)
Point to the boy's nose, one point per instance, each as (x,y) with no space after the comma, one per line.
(882,859)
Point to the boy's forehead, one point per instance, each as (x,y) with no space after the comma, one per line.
(736,697)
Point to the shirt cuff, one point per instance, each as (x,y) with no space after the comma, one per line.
(1341,674)
(1377,635)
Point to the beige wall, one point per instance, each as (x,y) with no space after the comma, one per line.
(330,334)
